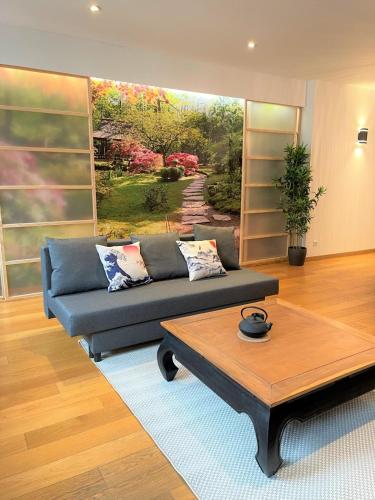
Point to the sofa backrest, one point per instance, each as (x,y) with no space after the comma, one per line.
(46,266)
(113,243)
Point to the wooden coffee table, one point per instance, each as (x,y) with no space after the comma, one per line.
(310,364)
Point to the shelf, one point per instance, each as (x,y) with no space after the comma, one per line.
(37,149)
(22,261)
(47,186)
(266,235)
(263,211)
(259,185)
(259,262)
(44,110)
(270,158)
(23,296)
(54,223)
(271,131)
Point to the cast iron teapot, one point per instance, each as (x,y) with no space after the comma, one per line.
(254,326)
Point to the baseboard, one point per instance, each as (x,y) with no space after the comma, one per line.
(341,254)
(261,262)
(21,297)
(276,260)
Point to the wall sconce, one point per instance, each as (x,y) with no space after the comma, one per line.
(362,135)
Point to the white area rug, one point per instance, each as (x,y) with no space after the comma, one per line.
(331,457)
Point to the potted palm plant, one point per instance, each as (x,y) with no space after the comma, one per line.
(296,200)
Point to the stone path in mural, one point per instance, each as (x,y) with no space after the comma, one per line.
(194,208)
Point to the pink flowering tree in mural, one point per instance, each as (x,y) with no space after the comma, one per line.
(137,158)
(186,160)
(143,160)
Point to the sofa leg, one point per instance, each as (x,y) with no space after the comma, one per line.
(97,357)
(49,313)
(91,355)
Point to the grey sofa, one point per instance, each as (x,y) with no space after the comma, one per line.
(113,320)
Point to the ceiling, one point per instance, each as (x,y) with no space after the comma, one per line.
(309,39)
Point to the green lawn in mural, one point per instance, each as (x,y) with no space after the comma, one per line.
(165,159)
(123,212)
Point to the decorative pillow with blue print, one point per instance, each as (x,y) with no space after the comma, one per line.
(201,258)
(123,266)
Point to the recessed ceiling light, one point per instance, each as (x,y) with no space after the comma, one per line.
(251,44)
(94,8)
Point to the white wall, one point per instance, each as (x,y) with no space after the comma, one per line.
(307,114)
(37,49)
(345,217)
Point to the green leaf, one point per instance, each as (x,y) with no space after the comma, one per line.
(296,200)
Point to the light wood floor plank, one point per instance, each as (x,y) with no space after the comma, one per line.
(53,451)
(13,444)
(39,477)
(144,474)
(72,426)
(37,419)
(80,487)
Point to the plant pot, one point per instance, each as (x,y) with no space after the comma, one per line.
(297,256)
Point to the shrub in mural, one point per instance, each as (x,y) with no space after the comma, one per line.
(165,158)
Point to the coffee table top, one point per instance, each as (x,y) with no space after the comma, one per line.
(306,350)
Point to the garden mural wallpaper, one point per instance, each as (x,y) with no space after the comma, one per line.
(165,159)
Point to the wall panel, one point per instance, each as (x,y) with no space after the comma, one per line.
(266,143)
(265,248)
(45,205)
(23,168)
(36,89)
(263,115)
(46,170)
(263,171)
(23,279)
(43,130)
(25,242)
(264,223)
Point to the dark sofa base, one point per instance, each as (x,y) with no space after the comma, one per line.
(140,333)
(49,314)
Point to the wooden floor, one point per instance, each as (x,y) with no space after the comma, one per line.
(64,431)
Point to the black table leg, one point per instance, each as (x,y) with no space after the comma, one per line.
(165,361)
(268,429)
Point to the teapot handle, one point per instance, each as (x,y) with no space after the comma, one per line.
(254,307)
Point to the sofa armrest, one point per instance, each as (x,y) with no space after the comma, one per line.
(46,266)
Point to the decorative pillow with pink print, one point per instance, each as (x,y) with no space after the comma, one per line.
(123,266)
(202,259)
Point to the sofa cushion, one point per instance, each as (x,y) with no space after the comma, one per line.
(123,266)
(162,256)
(202,259)
(98,310)
(225,240)
(76,266)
